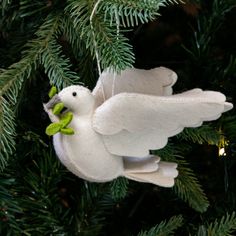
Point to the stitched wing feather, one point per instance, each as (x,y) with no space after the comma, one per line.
(157,81)
(132,124)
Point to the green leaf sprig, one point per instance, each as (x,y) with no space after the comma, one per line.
(64,121)
(52,91)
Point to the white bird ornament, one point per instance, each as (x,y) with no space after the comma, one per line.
(117,125)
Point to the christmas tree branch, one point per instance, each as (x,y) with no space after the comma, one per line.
(57,66)
(165,228)
(132,13)
(9,207)
(12,79)
(211,22)
(119,188)
(187,186)
(225,226)
(72,35)
(4,5)
(83,56)
(113,49)
(203,134)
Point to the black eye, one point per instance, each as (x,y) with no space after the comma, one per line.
(74,94)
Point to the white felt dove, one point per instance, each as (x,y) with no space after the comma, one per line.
(113,137)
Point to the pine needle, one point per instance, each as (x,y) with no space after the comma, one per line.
(203,134)
(226,226)
(119,188)
(165,228)
(131,13)
(187,187)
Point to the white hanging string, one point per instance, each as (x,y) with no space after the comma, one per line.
(95,46)
(113,84)
(117,38)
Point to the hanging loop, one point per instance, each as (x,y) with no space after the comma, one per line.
(96,47)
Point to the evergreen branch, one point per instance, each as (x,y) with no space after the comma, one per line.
(57,66)
(49,29)
(52,200)
(7,132)
(94,205)
(228,126)
(113,49)
(82,55)
(9,207)
(29,8)
(116,53)
(71,34)
(164,228)
(211,22)
(131,13)
(187,186)
(203,134)
(37,194)
(119,188)
(12,79)
(225,226)
(4,5)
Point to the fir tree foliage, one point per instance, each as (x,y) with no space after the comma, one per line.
(4,5)
(164,228)
(112,48)
(228,125)
(187,186)
(29,8)
(131,13)
(201,42)
(44,49)
(201,135)
(10,85)
(39,202)
(225,226)
(119,188)
(9,206)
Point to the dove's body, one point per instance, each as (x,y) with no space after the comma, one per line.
(113,134)
(84,153)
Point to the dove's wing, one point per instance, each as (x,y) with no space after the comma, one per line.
(133,124)
(157,81)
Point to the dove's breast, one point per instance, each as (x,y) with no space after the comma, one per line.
(85,155)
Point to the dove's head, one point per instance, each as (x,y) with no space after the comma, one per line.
(77,99)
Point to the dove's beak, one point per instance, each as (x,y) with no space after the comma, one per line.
(53,101)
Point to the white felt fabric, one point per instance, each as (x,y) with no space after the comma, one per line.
(135,165)
(133,124)
(157,81)
(114,138)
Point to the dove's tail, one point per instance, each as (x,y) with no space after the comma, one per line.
(164,175)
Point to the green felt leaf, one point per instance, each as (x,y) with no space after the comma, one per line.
(53,129)
(66,119)
(58,108)
(67,131)
(52,91)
